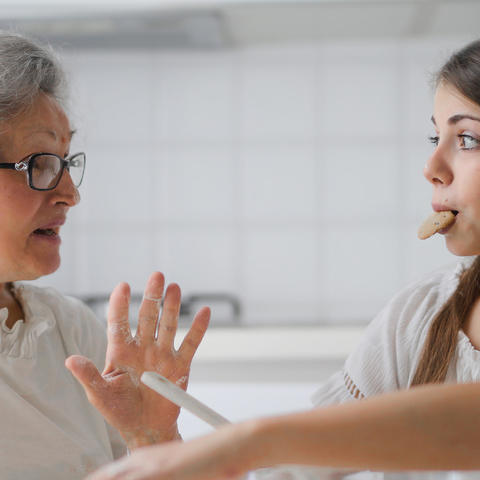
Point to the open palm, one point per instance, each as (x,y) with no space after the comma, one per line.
(140,415)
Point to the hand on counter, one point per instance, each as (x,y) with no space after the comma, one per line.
(140,415)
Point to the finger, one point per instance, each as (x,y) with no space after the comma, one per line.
(195,335)
(89,377)
(150,308)
(169,320)
(118,328)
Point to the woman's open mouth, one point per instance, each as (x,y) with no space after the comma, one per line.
(48,231)
(48,234)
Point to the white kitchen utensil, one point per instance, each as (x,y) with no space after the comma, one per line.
(181,398)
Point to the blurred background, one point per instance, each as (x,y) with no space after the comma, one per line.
(265,155)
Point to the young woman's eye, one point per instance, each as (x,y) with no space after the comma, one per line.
(467,142)
(434,140)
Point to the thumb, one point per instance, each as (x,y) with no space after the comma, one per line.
(87,374)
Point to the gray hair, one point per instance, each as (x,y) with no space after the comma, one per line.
(27,69)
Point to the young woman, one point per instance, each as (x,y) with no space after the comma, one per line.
(49,430)
(429,333)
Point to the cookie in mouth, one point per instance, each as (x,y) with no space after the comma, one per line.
(436,222)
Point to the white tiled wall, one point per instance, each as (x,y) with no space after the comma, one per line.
(290,176)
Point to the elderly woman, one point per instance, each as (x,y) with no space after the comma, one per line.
(49,428)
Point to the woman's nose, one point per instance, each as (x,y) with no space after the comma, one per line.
(66,192)
(437,170)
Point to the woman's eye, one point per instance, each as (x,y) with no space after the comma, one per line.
(434,140)
(467,142)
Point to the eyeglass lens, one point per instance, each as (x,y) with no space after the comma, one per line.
(47,170)
(76,169)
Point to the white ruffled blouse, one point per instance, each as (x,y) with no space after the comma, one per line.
(49,430)
(386,357)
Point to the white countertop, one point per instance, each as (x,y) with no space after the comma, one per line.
(277,342)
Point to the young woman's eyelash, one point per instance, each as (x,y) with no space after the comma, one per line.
(434,140)
(464,138)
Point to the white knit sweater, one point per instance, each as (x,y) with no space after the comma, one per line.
(386,358)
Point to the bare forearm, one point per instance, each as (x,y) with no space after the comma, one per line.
(424,428)
(429,428)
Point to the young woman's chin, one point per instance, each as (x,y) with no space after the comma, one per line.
(462,249)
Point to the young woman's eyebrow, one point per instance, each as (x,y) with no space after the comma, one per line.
(456,118)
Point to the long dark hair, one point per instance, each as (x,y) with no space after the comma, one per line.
(442,336)
(462,71)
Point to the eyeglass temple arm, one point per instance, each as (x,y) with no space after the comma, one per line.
(10,166)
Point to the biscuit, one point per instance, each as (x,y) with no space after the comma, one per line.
(435,222)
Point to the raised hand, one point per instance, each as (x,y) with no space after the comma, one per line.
(140,415)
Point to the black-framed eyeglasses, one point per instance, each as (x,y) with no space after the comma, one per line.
(44,170)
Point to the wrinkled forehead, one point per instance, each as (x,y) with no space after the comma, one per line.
(44,118)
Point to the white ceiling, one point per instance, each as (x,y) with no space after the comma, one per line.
(213,24)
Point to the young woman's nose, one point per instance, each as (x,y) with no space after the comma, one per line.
(66,192)
(437,170)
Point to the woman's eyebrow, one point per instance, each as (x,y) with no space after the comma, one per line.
(49,132)
(456,118)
